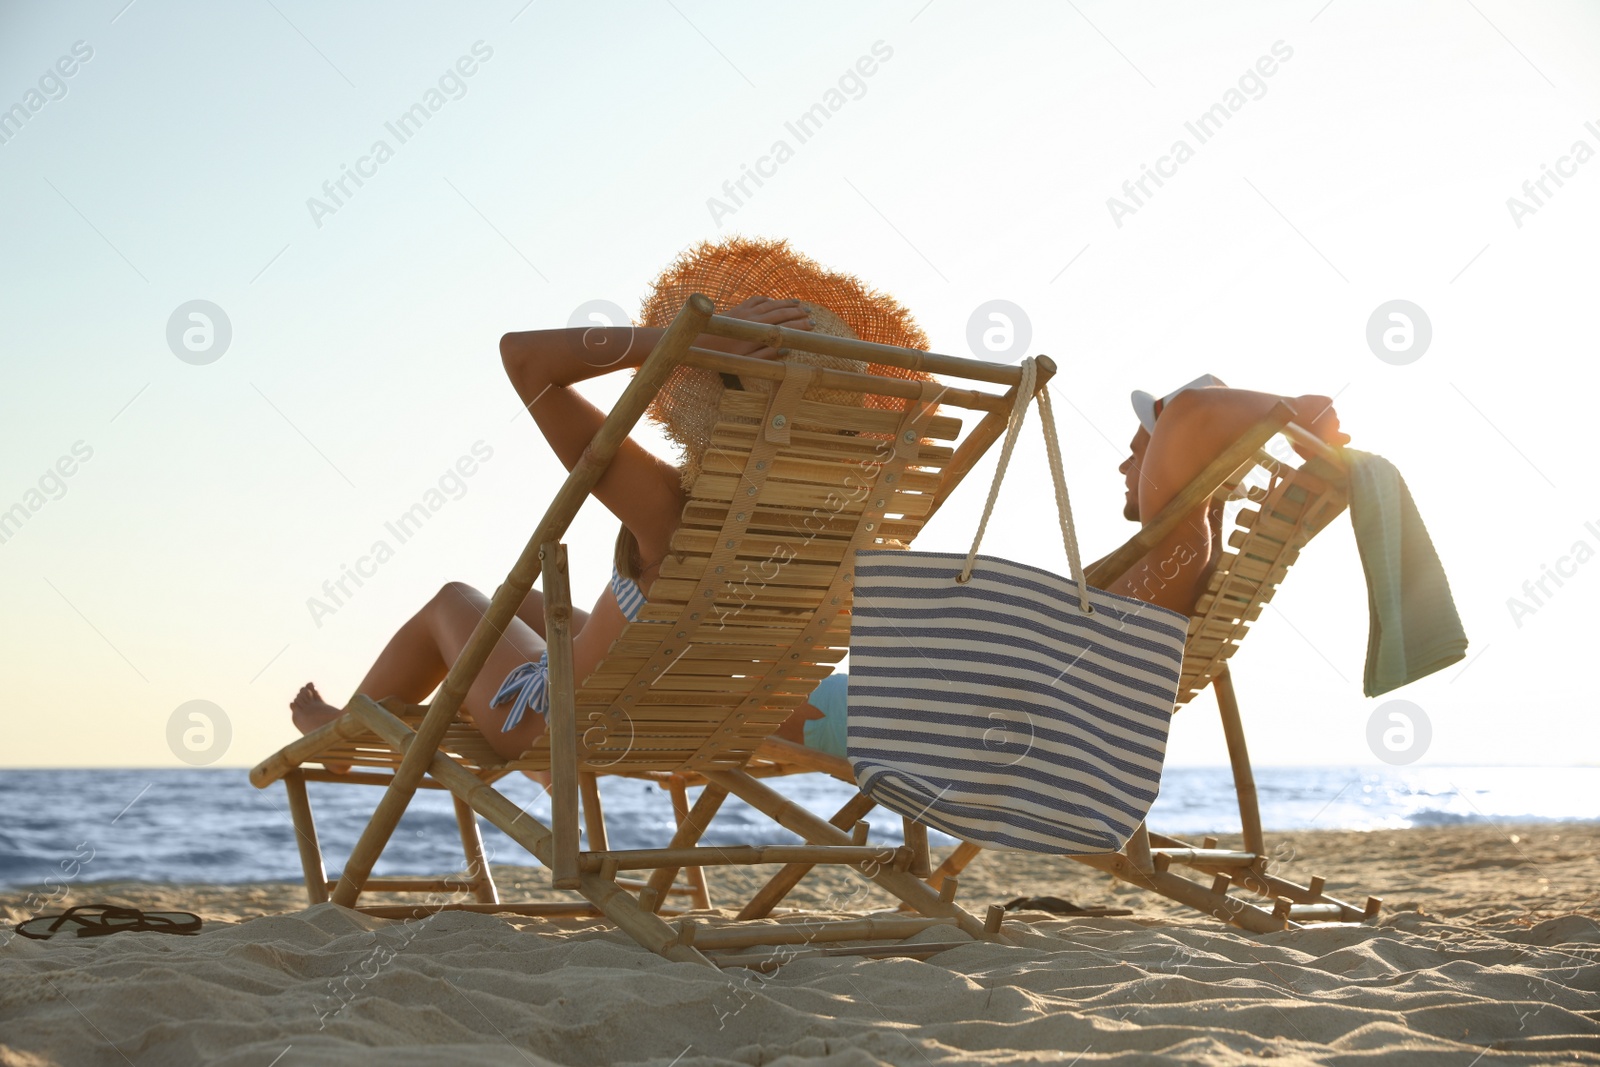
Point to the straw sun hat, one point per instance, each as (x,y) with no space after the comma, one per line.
(733,270)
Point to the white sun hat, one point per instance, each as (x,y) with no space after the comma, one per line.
(1148,408)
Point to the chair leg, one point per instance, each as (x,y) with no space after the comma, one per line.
(815,831)
(779,885)
(594,818)
(916,837)
(563,716)
(680,811)
(305,836)
(403,785)
(478,873)
(1138,849)
(1213,901)
(955,863)
(689,832)
(616,903)
(1244,781)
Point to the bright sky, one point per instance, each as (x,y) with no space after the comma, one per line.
(572,153)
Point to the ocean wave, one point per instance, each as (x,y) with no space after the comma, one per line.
(1430,817)
(211,826)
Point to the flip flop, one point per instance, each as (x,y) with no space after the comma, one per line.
(98,920)
(1057,906)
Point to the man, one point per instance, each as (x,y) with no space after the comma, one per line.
(1178,436)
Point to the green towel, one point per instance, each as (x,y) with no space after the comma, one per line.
(1415,629)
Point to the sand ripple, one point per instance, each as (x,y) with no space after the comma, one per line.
(1455,984)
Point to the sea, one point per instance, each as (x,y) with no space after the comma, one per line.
(212,826)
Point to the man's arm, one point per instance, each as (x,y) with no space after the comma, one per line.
(1193,430)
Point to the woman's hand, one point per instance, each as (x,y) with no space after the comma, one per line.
(768,312)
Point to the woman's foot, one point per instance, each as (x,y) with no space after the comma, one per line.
(310,711)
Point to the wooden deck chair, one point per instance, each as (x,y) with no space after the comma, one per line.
(750,609)
(1284,514)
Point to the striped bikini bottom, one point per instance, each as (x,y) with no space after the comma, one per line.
(528,686)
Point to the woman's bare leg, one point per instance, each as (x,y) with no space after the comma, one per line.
(409,667)
(531,611)
(418,656)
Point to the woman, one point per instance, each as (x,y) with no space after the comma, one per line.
(764,282)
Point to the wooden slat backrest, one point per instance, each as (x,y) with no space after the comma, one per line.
(752,604)
(1267,537)
(812,511)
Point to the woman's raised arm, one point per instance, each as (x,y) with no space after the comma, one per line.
(543,365)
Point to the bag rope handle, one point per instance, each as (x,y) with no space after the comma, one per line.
(1027,387)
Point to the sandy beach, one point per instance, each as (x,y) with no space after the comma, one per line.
(1488,950)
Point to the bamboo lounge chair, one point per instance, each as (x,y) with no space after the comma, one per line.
(717,659)
(1284,515)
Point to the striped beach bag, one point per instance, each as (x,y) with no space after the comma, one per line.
(1003,704)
